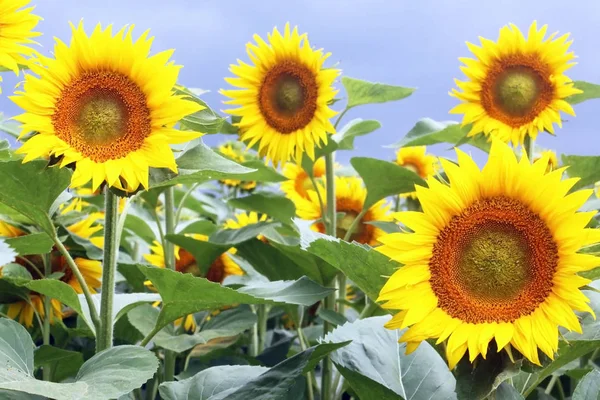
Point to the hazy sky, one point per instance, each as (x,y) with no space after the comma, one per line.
(409,43)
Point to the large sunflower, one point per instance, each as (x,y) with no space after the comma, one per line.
(493,256)
(417,160)
(299,183)
(283,97)
(17,24)
(350,196)
(517,86)
(106,107)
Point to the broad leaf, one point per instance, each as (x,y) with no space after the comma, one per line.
(233,237)
(35,243)
(363,92)
(62,363)
(586,168)
(590,91)
(303,292)
(383,178)
(205,253)
(276,206)
(367,268)
(588,388)
(507,392)
(357,127)
(109,374)
(226,324)
(377,359)
(205,120)
(30,189)
(428,131)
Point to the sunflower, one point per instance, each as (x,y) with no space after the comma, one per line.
(87,227)
(185,262)
(237,155)
(24,310)
(350,196)
(9,231)
(17,32)
(417,160)
(283,97)
(105,107)
(244,219)
(517,86)
(551,158)
(298,183)
(493,256)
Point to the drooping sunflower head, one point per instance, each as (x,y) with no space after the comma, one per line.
(350,196)
(516,86)
(17,24)
(283,96)
(106,107)
(493,256)
(299,183)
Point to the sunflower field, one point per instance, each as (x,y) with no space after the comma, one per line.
(139,263)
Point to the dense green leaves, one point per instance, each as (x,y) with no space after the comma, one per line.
(364,266)
(357,127)
(276,206)
(383,178)
(363,92)
(586,168)
(590,91)
(377,360)
(30,189)
(108,374)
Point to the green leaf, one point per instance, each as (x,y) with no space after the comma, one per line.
(228,323)
(202,227)
(234,237)
(277,206)
(139,227)
(588,388)
(205,253)
(428,131)
(109,374)
(383,178)
(364,266)
(283,381)
(363,92)
(35,243)
(11,395)
(30,189)
(590,91)
(420,375)
(184,294)
(476,381)
(357,127)
(62,363)
(205,120)
(331,316)
(507,392)
(212,383)
(16,273)
(586,168)
(58,290)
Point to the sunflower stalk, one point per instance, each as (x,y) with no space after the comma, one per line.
(263,316)
(529,145)
(104,338)
(47,369)
(170,356)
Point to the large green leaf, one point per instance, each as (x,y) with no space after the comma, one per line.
(357,127)
(62,363)
(428,131)
(283,381)
(234,237)
(205,120)
(109,374)
(377,359)
(363,92)
(276,206)
(586,168)
(588,388)
(590,91)
(35,243)
(383,178)
(226,324)
(303,292)
(476,381)
(30,189)
(205,253)
(364,266)
(212,383)
(507,392)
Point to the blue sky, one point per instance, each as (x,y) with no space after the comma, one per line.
(407,43)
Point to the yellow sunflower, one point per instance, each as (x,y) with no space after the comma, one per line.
(106,107)
(185,262)
(283,97)
(493,256)
(551,158)
(298,183)
(237,155)
(24,310)
(88,227)
(9,231)
(417,160)
(517,86)
(350,196)
(17,24)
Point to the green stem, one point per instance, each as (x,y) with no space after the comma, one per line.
(309,375)
(182,202)
(370,307)
(321,204)
(149,336)
(397,203)
(254,344)
(263,316)
(353,225)
(111,251)
(529,145)
(561,390)
(170,356)
(412,204)
(47,370)
(84,287)
(551,384)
